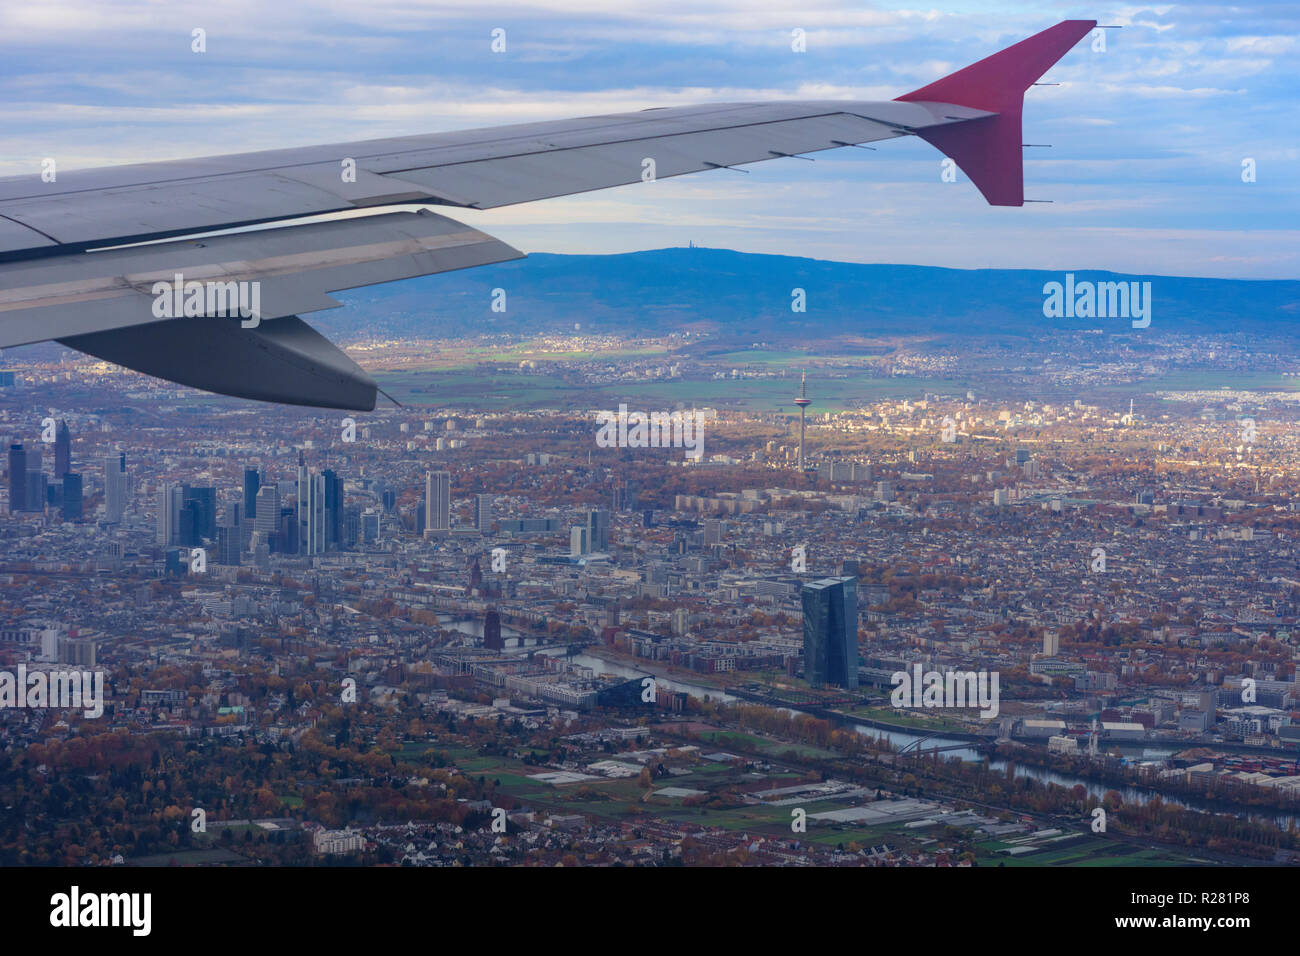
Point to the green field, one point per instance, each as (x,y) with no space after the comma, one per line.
(474,390)
(889,715)
(1083,852)
(1197,379)
(790,357)
(466,389)
(618,800)
(764,745)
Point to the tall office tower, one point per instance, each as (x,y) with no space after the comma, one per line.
(38,491)
(72,506)
(188,534)
(287,530)
(420,520)
(578,543)
(62,450)
(17,478)
(267,523)
(803,401)
(598,530)
(228,544)
(303,511)
(252,482)
(232,547)
(884,491)
(1051,643)
(246,529)
(370,527)
(34,462)
(351,525)
(619,502)
(492,630)
(169,502)
(437,502)
(483,513)
(114,486)
(316,526)
(712,531)
(389,497)
(830,632)
(333,510)
(202,503)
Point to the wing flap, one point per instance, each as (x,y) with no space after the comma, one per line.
(295,268)
(282,360)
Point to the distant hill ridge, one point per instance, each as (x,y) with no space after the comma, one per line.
(749,294)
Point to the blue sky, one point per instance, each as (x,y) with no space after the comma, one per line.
(1148,137)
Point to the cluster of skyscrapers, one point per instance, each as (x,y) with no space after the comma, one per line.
(592,537)
(32,490)
(303,516)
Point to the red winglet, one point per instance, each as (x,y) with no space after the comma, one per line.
(989,149)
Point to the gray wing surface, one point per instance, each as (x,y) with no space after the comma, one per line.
(82,257)
(481,169)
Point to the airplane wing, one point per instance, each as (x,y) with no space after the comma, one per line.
(115,261)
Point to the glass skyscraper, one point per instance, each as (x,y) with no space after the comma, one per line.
(267,522)
(830,632)
(202,503)
(333,510)
(115,486)
(437,501)
(483,513)
(598,530)
(17,478)
(72,500)
(252,482)
(62,450)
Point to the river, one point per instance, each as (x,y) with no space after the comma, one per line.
(473,626)
(1131,795)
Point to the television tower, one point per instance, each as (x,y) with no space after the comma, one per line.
(803,401)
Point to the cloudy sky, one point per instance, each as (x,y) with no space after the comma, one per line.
(1148,136)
